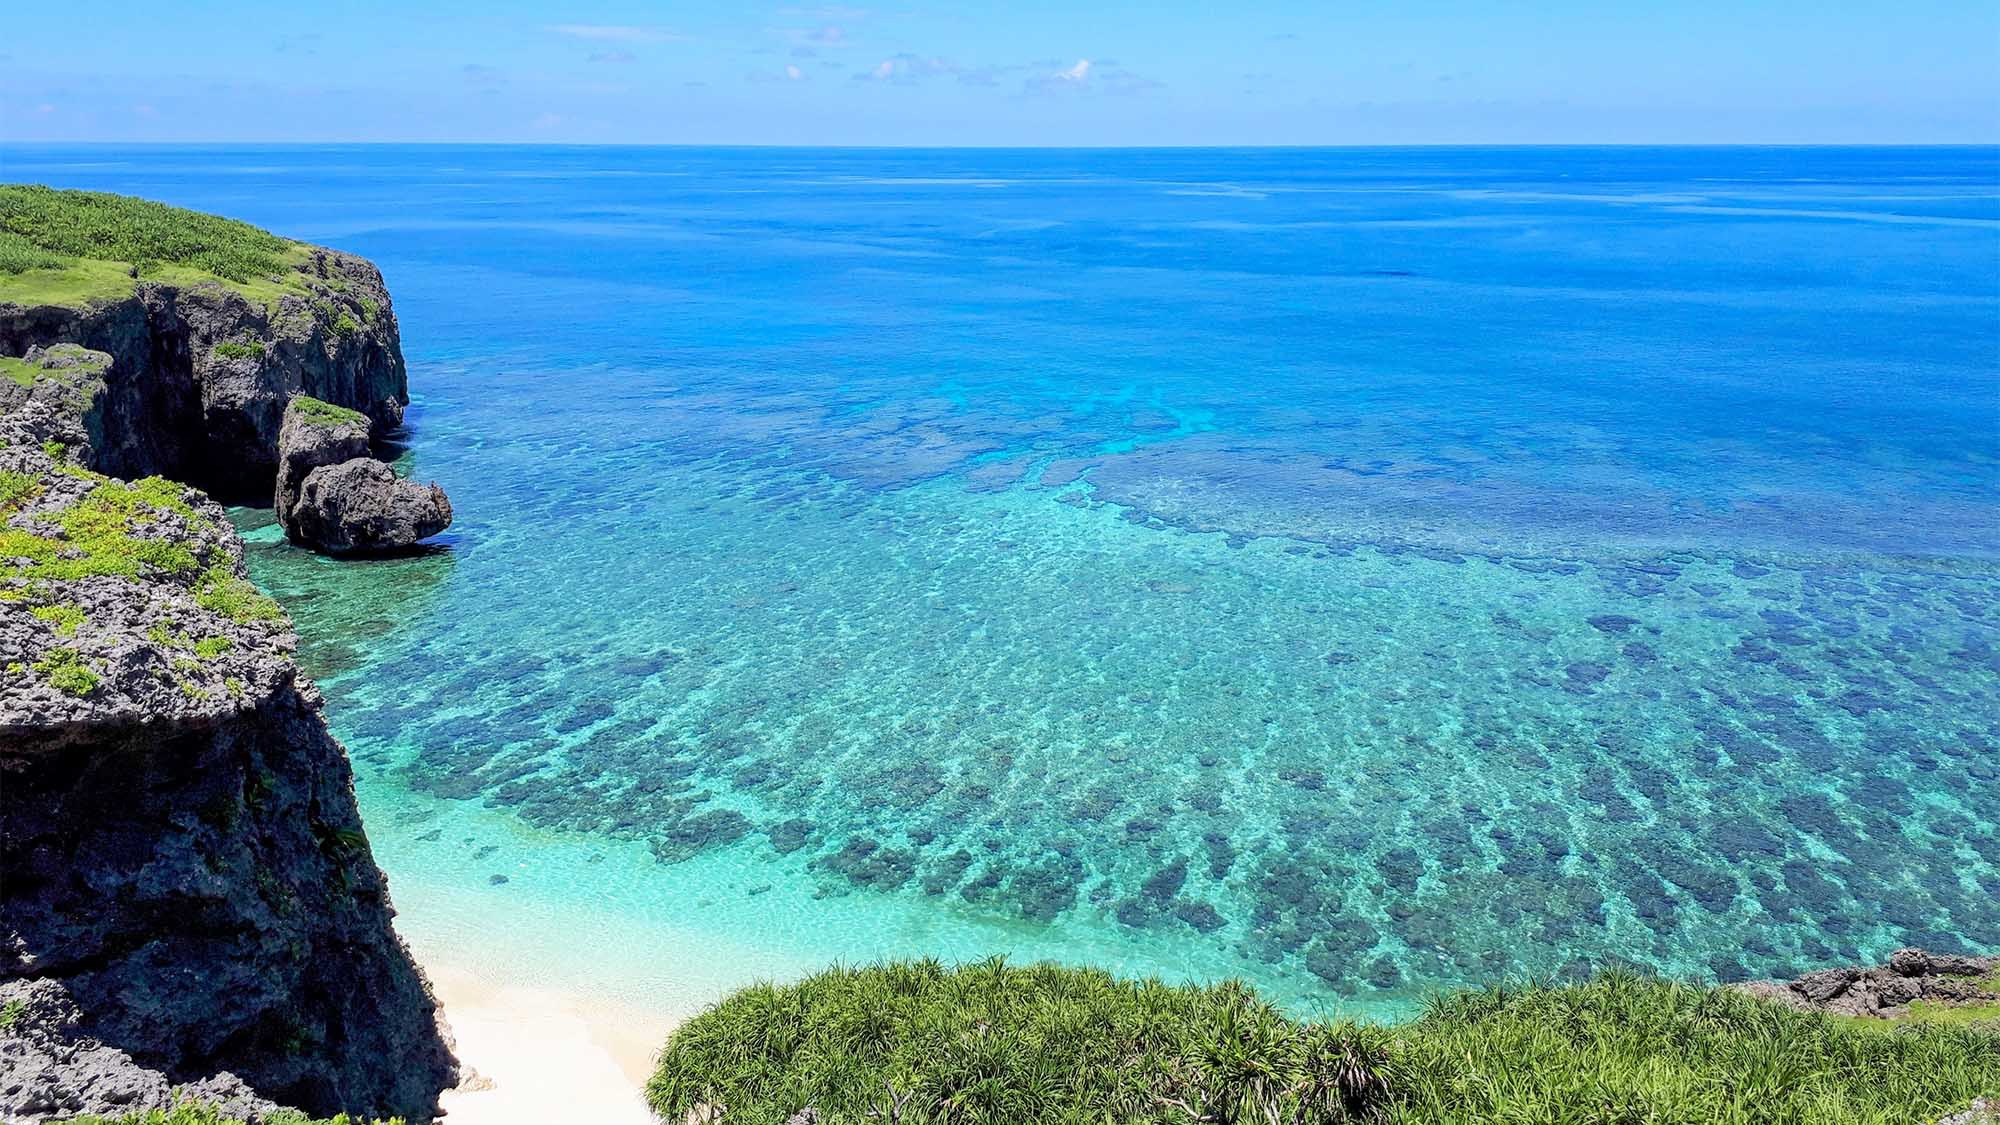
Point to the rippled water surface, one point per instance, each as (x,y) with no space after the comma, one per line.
(1354,570)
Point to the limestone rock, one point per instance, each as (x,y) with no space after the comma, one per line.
(314,434)
(199,375)
(179,836)
(1885,990)
(363,507)
(50,1070)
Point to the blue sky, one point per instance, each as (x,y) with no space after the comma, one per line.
(1025,73)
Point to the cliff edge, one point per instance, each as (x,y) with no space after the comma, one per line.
(179,834)
(210,326)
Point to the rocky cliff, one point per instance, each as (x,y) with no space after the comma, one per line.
(201,370)
(179,834)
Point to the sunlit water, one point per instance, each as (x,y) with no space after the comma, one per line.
(1357,571)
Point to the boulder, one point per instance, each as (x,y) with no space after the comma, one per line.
(362,507)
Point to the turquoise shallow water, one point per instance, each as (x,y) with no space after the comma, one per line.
(1356,571)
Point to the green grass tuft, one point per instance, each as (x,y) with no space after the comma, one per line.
(66,671)
(232,349)
(234,598)
(989,1043)
(326,413)
(208,648)
(65,617)
(16,488)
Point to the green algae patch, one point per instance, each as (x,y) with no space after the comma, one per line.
(991,1043)
(326,413)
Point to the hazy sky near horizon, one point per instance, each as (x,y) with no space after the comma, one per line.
(1031,72)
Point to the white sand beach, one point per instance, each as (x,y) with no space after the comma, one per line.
(535,1055)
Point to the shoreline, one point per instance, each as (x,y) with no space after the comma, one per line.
(531,1054)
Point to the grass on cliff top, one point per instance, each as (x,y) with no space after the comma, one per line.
(922,1044)
(326,413)
(72,247)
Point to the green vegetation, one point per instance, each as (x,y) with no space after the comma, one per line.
(10,1014)
(89,224)
(99,535)
(16,488)
(920,1044)
(208,648)
(65,617)
(232,349)
(191,1113)
(346,325)
(74,247)
(234,598)
(326,413)
(66,671)
(19,370)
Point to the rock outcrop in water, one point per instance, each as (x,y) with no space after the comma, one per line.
(333,497)
(199,373)
(182,850)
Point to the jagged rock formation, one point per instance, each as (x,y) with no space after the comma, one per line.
(50,1071)
(1887,990)
(332,497)
(362,507)
(179,834)
(70,379)
(199,374)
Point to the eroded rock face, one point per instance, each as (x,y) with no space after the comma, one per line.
(311,437)
(331,496)
(50,1070)
(179,836)
(199,376)
(363,507)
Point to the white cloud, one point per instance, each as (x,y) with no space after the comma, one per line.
(1078,73)
(617,33)
(795,74)
(908,68)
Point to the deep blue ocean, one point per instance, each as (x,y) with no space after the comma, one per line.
(1355,570)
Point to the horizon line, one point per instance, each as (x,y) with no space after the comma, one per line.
(5,142)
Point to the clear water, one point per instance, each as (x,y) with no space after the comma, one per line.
(1357,571)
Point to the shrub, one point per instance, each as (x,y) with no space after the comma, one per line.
(231,349)
(925,1045)
(993,1043)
